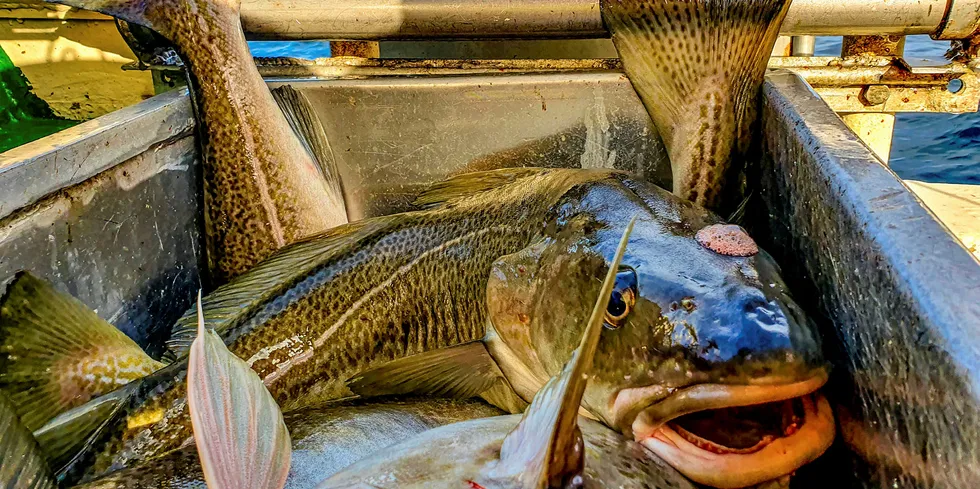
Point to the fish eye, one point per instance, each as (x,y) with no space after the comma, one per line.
(622,300)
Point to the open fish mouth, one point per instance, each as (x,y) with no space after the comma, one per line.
(733,436)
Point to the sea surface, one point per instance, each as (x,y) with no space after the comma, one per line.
(928,147)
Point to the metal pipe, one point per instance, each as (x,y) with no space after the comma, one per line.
(864,17)
(543,19)
(422,19)
(803,45)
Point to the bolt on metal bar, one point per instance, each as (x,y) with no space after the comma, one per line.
(543,19)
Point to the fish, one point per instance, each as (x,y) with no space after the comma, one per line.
(325,440)
(549,446)
(462,298)
(698,66)
(238,428)
(22,464)
(263,189)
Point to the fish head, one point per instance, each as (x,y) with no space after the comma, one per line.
(706,359)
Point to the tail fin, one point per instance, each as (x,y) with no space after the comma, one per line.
(56,354)
(545,449)
(698,65)
(238,427)
(23,465)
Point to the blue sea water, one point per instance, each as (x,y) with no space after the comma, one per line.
(929,147)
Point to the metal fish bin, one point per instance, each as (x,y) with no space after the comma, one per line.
(111,212)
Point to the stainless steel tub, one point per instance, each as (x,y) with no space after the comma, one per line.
(110,212)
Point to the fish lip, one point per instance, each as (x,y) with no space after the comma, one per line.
(731,471)
(702,397)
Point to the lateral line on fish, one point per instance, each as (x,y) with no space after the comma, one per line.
(275,225)
(284,367)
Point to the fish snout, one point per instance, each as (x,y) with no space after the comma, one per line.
(759,333)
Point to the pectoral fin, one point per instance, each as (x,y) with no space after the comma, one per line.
(238,427)
(461,371)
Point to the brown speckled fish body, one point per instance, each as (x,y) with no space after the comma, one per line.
(405,303)
(325,440)
(320,311)
(697,65)
(263,190)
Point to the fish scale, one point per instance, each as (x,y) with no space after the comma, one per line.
(480,293)
(263,189)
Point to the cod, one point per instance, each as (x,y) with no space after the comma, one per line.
(483,291)
(549,447)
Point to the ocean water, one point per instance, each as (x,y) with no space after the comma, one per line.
(929,147)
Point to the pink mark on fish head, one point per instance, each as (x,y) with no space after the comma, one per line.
(727,239)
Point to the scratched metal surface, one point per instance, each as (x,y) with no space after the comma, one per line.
(392,137)
(31,171)
(901,296)
(122,233)
(126,242)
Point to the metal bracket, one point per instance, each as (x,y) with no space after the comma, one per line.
(887,84)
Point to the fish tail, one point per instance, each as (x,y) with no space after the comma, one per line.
(698,65)
(56,354)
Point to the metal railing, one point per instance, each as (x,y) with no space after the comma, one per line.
(485,19)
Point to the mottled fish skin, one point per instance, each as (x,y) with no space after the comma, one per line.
(262,189)
(325,441)
(518,248)
(400,285)
(698,65)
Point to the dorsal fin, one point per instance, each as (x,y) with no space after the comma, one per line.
(306,124)
(234,300)
(546,450)
(470,183)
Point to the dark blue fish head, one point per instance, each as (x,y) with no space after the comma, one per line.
(689,328)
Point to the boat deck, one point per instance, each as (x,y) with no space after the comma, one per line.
(956,205)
